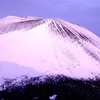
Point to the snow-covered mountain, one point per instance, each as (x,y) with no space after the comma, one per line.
(48,46)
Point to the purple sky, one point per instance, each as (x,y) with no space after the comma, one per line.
(84,12)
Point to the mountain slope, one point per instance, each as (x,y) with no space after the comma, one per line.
(50,46)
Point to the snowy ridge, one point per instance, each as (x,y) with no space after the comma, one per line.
(12,19)
(12,24)
(51,46)
(67,31)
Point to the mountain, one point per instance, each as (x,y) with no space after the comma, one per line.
(48,59)
(50,46)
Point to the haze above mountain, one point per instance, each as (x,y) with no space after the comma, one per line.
(49,46)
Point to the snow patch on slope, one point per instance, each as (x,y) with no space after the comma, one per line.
(10,70)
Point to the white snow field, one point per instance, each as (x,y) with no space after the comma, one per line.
(48,46)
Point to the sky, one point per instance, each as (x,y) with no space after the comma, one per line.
(83,12)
